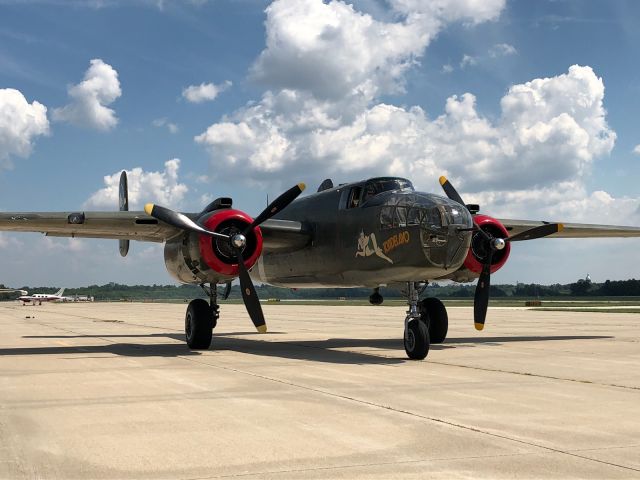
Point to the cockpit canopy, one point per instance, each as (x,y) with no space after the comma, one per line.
(360,194)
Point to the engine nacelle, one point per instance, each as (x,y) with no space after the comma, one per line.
(479,250)
(197,258)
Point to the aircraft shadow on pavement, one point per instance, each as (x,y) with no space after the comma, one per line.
(325,351)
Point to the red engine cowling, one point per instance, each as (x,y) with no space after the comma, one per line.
(197,258)
(478,251)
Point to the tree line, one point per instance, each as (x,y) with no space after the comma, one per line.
(116,291)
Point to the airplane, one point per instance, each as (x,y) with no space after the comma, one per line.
(42,297)
(372,233)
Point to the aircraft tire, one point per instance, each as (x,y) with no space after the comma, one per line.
(198,325)
(435,315)
(416,340)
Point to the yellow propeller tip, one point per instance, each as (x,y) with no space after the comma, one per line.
(148,208)
(262,329)
(560,227)
(479,326)
(443,180)
(302,186)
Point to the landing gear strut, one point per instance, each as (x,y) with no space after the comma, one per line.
(416,332)
(201,318)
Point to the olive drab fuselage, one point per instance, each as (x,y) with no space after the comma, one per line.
(370,233)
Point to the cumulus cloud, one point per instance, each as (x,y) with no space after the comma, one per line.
(205,91)
(91,97)
(322,115)
(20,123)
(502,50)
(156,187)
(636,150)
(550,130)
(7,242)
(468,61)
(164,122)
(333,51)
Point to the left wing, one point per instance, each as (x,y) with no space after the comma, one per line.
(572,230)
(279,235)
(116,225)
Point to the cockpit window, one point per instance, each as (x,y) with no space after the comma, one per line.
(354,197)
(374,187)
(402,216)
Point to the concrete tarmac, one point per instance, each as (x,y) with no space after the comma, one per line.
(111,391)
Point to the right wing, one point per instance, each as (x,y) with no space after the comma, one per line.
(572,230)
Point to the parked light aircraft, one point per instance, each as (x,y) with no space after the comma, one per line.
(371,233)
(42,297)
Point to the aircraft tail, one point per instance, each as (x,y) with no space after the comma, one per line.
(59,292)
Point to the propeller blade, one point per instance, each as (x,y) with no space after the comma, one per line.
(481,296)
(451,192)
(178,220)
(277,205)
(537,232)
(250,297)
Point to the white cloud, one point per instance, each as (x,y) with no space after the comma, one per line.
(636,150)
(89,98)
(156,187)
(502,50)
(328,64)
(20,123)
(333,52)
(468,61)
(448,68)
(8,242)
(205,91)
(164,122)
(550,130)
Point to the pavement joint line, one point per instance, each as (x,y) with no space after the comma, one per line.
(416,415)
(529,374)
(388,407)
(360,465)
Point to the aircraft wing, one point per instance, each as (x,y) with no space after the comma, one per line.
(573,230)
(115,225)
(284,235)
(279,235)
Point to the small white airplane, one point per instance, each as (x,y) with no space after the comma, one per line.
(42,297)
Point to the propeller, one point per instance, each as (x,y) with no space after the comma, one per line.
(178,220)
(238,242)
(491,245)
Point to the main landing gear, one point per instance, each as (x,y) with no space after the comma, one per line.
(201,318)
(426,322)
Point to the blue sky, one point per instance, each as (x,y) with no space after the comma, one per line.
(299,90)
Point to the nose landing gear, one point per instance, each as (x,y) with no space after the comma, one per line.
(416,333)
(426,322)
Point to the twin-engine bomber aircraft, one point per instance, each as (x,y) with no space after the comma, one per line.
(371,233)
